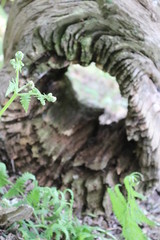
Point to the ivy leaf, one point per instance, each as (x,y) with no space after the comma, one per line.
(25,99)
(11,87)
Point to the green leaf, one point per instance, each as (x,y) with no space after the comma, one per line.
(33,198)
(18,187)
(11,87)
(131,229)
(60,229)
(127,210)
(120,208)
(26,232)
(36,93)
(25,99)
(42,97)
(3,175)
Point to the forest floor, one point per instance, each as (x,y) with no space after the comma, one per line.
(151,208)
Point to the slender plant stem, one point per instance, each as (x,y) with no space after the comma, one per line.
(22,88)
(8,104)
(17,78)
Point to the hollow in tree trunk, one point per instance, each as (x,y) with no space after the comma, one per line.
(63,143)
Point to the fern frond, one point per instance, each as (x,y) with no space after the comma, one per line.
(18,187)
(58,224)
(118,203)
(138,195)
(135,212)
(131,181)
(139,216)
(25,99)
(33,197)
(42,97)
(58,236)
(3,175)
(36,93)
(131,229)
(120,195)
(11,87)
(59,229)
(127,210)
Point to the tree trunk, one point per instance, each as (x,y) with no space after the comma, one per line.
(63,143)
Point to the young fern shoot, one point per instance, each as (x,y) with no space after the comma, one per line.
(127,211)
(26,91)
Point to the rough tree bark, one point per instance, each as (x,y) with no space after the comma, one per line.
(63,143)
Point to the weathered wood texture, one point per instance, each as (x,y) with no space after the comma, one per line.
(64,141)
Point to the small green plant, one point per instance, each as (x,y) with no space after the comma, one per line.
(26,91)
(52,212)
(127,211)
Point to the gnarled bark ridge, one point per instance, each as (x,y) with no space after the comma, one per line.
(64,142)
